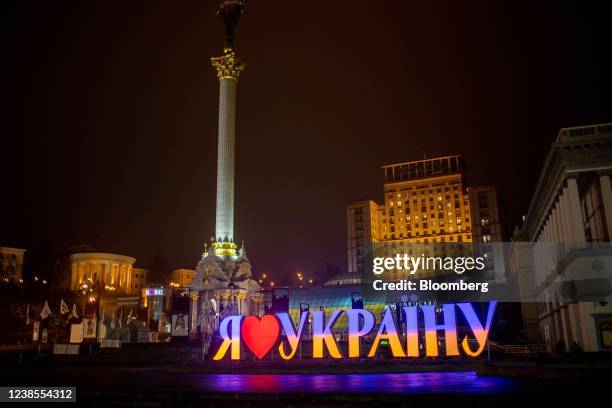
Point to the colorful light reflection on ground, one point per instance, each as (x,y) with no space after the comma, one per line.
(396,383)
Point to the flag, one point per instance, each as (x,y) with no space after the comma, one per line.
(74,314)
(114,320)
(27,316)
(121,318)
(63,307)
(46,311)
(130,316)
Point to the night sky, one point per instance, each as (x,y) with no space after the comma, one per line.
(110,138)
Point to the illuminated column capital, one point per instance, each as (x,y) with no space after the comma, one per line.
(240,295)
(228,65)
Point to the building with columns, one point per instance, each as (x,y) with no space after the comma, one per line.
(112,272)
(113,277)
(569,224)
(223,283)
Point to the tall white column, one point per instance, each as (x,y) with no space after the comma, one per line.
(225,159)
(606,195)
(575,210)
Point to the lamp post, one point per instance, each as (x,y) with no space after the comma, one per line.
(97,300)
(88,289)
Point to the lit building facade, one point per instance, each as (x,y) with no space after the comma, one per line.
(11,264)
(425,202)
(570,222)
(182,277)
(110,272)
(112,278)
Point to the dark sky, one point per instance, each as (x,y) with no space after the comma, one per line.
(113,113)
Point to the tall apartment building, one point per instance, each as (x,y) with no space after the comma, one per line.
(425,201)
(487,228)
(362,231)
(485,210)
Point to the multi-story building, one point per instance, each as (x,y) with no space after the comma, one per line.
(112,277)
(425,202)
(140,279)
(182,277)
(110,272)
(487,230)
(519,264)
(11,264)
(569,223)
(362,230)
(485,210)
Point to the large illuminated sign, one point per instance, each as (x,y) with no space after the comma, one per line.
(153,291)
(260,336)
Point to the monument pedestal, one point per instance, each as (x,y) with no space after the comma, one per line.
(223,285)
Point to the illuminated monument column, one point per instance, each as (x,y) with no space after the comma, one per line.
(223,279)
(228,69)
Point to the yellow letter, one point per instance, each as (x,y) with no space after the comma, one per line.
(233,341)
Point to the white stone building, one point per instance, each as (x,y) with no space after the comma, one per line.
(569,223)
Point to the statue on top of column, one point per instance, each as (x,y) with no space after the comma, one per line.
(230,11)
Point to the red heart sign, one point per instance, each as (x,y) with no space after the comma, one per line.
(260,335)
